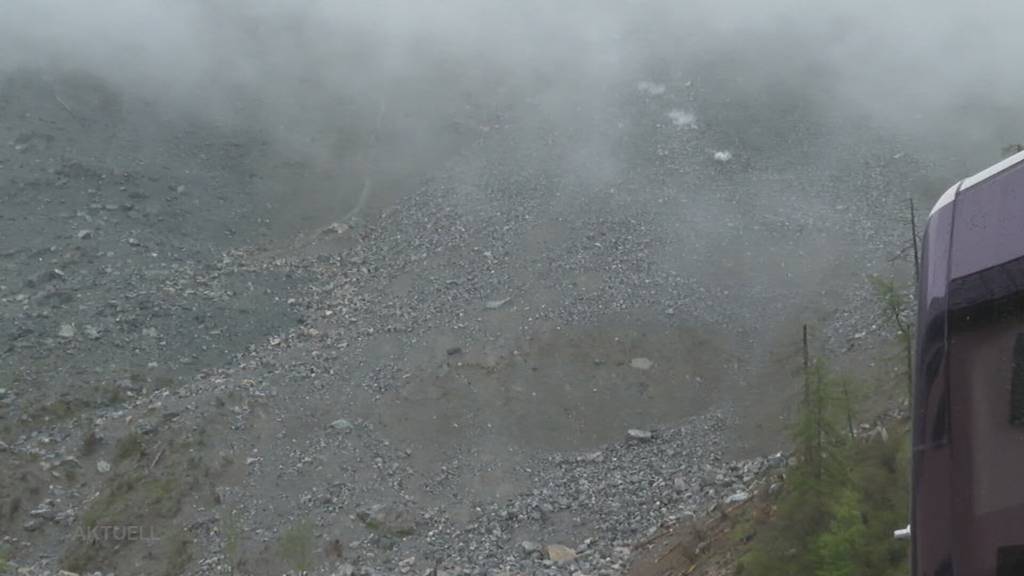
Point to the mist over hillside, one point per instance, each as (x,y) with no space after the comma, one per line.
(326,286)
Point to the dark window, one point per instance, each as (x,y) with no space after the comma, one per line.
(1010,559)
(932,425)
(940,424)
(1017,383)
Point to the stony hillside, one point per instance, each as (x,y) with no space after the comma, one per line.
(521,353)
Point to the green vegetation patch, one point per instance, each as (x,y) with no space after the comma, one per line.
(136,504)
(842,499)
(296,546)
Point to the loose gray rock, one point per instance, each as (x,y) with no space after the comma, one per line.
(389,519)
(495,304)
(738,498)
(341,424)
(44,511)
(680,484)
(639,435)
(531,548)
(560,554)
(345,570)
(641,363)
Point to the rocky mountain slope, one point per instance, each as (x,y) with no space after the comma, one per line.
(221,355)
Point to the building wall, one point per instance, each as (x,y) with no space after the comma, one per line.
(987,450)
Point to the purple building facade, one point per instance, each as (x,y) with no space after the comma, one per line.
(967,513)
